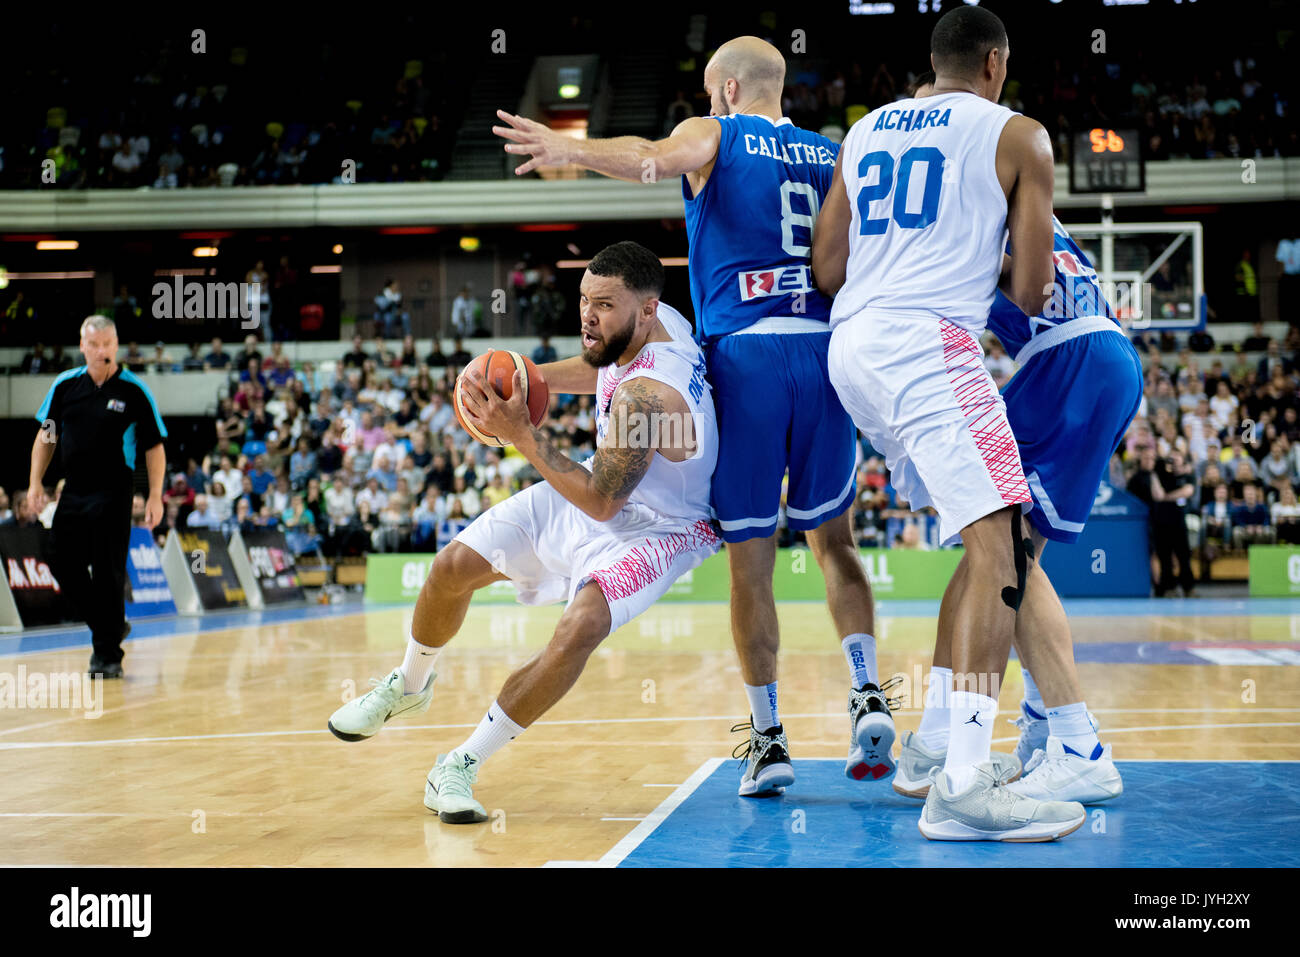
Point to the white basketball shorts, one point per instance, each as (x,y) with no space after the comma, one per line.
(917,387)
(550,548)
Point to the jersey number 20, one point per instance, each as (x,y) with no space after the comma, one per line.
(888,182)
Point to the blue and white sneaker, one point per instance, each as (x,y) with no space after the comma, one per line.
(1060,775)
(1033,734)
(768,772)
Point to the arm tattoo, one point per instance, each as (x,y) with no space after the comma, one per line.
(622,462)
(551,455)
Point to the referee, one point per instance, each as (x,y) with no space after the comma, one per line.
(98,415)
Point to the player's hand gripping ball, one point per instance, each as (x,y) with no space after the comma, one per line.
(498,367)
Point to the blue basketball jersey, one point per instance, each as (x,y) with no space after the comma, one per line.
(1076,294)
(750,228)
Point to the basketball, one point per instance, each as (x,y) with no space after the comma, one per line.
(498,367)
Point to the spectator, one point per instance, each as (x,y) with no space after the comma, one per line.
(1251,521)
(451,526)
(372,496)
(161,361)
(408,359)
(383,472)
(6,513)
(1286,516)
(997,361)
(436,360)
(216,357)
(1165,490)
(544,352)
(260,477)
(390,319)
(459,358)
(464,313)
(193,362)
(166,179)
(135,359)
(1256,341)
(201,516)
(249,353)
(36,361)
(355,359)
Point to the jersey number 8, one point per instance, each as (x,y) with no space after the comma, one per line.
(934,162)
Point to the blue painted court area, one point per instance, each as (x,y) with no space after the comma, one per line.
(1171,814)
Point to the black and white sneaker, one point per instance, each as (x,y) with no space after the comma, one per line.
(768,772)
(871,735)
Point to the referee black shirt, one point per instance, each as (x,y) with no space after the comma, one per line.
(99,430)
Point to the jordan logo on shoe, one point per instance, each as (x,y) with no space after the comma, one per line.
(975,720)
(875,740)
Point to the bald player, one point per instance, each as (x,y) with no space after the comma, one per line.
(753,185)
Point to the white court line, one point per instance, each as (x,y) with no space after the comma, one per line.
(623,848)
(26,745)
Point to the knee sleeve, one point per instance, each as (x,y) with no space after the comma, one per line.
(1022,550)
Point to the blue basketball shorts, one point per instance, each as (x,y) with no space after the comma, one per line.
(777,410)
(1069,406)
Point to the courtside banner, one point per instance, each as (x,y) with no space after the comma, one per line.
(273,564)
(208,561)
(27,557)
(1274,571)
(147,591)
(894,573)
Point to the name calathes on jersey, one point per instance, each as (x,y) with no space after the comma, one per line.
(908,120)
(794,154)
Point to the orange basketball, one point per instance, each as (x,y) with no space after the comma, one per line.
(498,366)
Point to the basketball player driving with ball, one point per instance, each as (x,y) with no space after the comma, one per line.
(608,536)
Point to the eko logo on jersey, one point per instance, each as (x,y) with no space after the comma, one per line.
(777,281)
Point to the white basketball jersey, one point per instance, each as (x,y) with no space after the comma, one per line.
(929,215)
(673,489)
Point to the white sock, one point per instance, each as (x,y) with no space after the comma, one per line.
(970,737)
(762,706)
(935,718)
(1070,723)
(493,733)
(416,665)
(860,652)
(1032,698)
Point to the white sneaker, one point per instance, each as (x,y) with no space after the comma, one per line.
(1055,775)
(362,717)
(449,789)
(915,761)
(988,811)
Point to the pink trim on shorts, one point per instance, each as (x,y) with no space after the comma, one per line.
(650,561)
(977,395)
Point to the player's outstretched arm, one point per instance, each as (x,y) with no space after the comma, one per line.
(1024,164)
(830,250)
(692,145)
(572,376)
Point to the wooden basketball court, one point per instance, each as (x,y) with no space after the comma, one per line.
(214,749)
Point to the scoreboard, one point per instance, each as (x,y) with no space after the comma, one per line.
(1106,160)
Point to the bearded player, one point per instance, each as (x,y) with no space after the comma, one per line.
(753,184)
(609,536)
